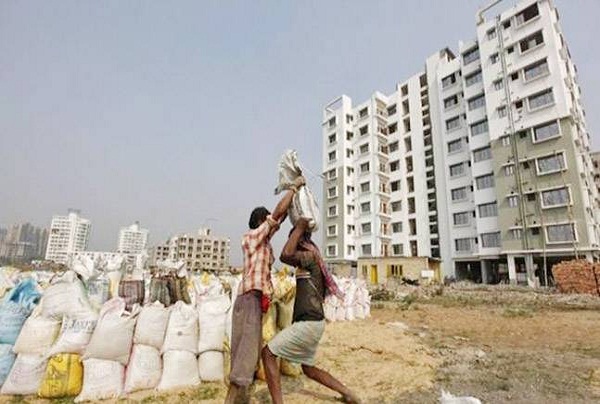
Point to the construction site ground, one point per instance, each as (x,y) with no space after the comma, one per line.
(499,344)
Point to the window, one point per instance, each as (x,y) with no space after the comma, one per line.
(505,141)
(349,153)
(462,218)
(365,207)
(363,112)
(471,56)
(473,78)
(332,211)
(364,130)
(488,209)
(494,58)
(331,122)
(349,171)
(364,168)
(451,102)
(537,69)
(391,110)
(349,189)
(448,81)
(365,228)
(502,111)
(556,197)
(509,170)
(541,99)
(457,169)
(395,185)
(550,164)
(557,233)
(455,146)
(453,123)
(393,128)
(479,127)
(485,153)
(498,84)
(519,106)
(366,249)
(513,201)
(404,90)
(397,249)
(332,192)
(397,227)
(332,156)
(463,244)
(350,209)
(531,41)
(485,181)
(526,15)
(459,194)
(516,234)
(332,138)
(396,206)
(394,165)
(514,76)
(491,33)
(546,131)
(365,187)
(349,135)
(349,249)
(349,118)
(531,197)
(393,147)
(364,149)
(506,24)
(477,102)
(489,240)
(331,250)
(510,49)
(332,174)
(332,230)
(535,231)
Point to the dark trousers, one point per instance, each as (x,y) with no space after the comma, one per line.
(246,338)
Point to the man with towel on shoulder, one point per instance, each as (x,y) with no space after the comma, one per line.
(298,342)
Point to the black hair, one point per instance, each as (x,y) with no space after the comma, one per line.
(258,216)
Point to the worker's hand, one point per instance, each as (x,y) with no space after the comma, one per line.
(299,182)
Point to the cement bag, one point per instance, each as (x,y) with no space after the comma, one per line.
(303,203)
(102,379)
(7,359)
(269,324)
(182,329)
(74,336)
(113,336)
(159,291)
(63,378)
(235,285)
(180,369)
(144,369)
(350,301)
(26,375)
(37,335)
(178,290)
(207,285)
(211,366)
(132,292)
(151,325)
(212,315)
(84,267)
(288,368)
(98,291)
(15,308)
(66,296)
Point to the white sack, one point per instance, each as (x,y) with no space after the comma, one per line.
(98,291)
(66,296)
(144,369)
(74,336)
(211,366)
(113,336)
(102,379)
(182,329)
(152,325)
(84,266)
(180,369)
(37,335)
(212,317)
(26,375)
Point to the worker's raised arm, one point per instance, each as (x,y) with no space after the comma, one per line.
(282,207)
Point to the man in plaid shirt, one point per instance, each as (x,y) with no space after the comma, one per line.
(254,294)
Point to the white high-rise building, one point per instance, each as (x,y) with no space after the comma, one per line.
(68,234)
(132,239)
(481,160)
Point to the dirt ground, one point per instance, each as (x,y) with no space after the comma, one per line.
(497,345)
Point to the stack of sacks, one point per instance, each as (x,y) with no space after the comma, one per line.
(350,299)
(180,367)
(108,352)
(340,308)
(356,303)
(212,319)
(20,376)
(96,282)
(234,286)
(145,365)
(362,308)
(284,286)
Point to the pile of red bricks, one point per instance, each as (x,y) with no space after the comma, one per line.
(577,276)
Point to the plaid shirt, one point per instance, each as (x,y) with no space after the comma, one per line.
(258,258)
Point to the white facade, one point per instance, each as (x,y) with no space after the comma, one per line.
(429,170)
(68,234)
(132,239)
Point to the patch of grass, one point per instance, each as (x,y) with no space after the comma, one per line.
(511,312)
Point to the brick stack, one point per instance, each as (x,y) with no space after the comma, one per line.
(577,276)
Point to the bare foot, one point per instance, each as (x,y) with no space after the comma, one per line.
(351,398)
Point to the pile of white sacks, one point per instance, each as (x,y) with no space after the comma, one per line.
(74,336)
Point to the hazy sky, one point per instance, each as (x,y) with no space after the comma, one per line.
(176,113)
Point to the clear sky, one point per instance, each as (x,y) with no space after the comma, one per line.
(176,113)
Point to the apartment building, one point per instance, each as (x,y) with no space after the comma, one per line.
(481,160)
(132,239)
(201,252)
(68,234)
(23,242)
